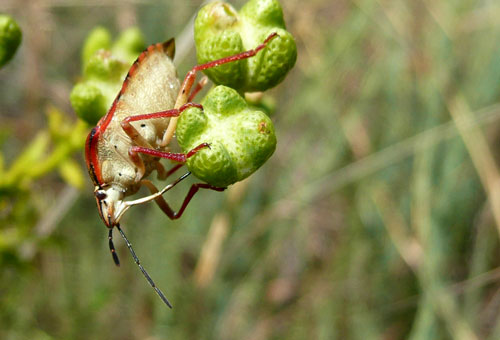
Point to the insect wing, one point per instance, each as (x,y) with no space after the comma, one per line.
(151,84)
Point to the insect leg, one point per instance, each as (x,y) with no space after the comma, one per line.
(139,164)
(141,169)
(136,137)
(164,174)
(239,56)
(176,157)
(138,140)
(187,84)
(127,204)
(160,201)
(201,84)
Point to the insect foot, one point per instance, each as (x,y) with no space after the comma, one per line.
(241,138)
(10,38)
(221,31)
(104,67)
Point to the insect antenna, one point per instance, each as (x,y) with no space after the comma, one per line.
(112,248)
(144,272)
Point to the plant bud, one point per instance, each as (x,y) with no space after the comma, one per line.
(10,38)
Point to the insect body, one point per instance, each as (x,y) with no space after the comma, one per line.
(128,142)
(151,85)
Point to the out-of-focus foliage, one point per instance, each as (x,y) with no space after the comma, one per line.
(50,150)
(104,67)
(10,38)
(372,220)
(47,151)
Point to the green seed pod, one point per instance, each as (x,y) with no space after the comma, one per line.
(98,39)
(241,139)
(129,44)
(104,66)
(88,102)
(10,38)
(221,31)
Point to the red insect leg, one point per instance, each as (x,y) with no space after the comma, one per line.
(136,137)
(164,174)
(134,151)
(189,79)
(187,84)
(160,201)
(162,114)
(239,56)
(138,140)
(174,169)
(201,84)
(176,157)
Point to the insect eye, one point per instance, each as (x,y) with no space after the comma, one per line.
(100,195)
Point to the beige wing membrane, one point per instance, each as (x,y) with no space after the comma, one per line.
(151,85)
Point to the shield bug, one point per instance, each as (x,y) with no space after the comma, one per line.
(128,142)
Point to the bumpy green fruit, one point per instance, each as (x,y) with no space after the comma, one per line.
(103,65)
(241,138)
(10,38)
(98,39)
(221,31)
(104,68)
(88,101)
(128,45)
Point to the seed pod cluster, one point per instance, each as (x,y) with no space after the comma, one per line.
(241,137)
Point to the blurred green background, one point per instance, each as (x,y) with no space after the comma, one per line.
(378,216)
